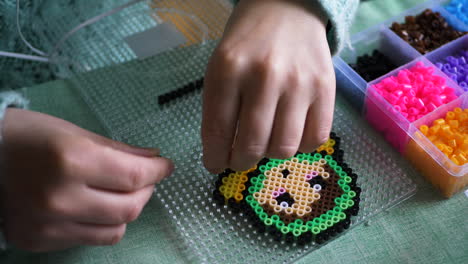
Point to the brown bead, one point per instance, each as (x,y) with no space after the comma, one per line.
(426,31)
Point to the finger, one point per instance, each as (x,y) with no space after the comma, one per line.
(319,121)
(44,235)
(109,169)
(288,126)
(220,114)
(117,145)
(91,206)
(255,124)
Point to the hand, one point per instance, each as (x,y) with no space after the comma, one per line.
(269,86)
(64,186)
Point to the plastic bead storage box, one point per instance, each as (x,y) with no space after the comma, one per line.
(419,107)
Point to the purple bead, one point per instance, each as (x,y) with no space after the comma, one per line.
(464,85)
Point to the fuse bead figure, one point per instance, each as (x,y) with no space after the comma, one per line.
(311,196)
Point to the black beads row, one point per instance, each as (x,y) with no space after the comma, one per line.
(183,91)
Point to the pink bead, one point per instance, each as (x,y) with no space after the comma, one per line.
(419,104)
(392,99)
(431,107)
(398,93)
(275,194)
(397,107)
(436,100)
(413,111)
(404,100)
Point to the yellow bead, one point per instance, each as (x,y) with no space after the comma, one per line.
(453,123)
(434,130)
(439,122)
(452,143)
(424,129)
(459,138)
(450,115)
(462,159)
(448,149)
(455,160)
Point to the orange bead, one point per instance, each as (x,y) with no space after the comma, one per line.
(457,111)
(455,160)
(452,143)
(453,123)
(439,122)
(448,149)
(450,115)
(463,117)
(424,129)
(462,159)
(440,146)
(434,130)
(459,138)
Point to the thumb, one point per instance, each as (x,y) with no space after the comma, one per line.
(120,146)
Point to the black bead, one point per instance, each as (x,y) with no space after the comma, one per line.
(285,197)
(285,173)
(289,238)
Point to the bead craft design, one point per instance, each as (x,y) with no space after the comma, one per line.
(310,196)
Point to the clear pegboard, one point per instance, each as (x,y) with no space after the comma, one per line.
(122,90)
(212,234)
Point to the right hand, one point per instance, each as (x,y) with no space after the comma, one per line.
(64,186)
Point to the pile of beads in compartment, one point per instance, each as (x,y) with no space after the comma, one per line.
(450,135)
(426,31)
(311,196)
(370,67)
(416,91)
(456,67)
(459,8)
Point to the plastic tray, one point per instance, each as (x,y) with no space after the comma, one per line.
(398,131)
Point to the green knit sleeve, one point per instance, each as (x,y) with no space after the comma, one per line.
(11,99)
(340,17)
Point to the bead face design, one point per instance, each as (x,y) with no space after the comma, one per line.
(309,196)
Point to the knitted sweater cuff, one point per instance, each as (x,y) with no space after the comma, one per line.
(340,15)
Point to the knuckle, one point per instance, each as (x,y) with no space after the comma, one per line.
(323,80)
(54,205)
(132,212)
(267,68)
(135,178)
(215,132)
(231,60)
(46,232)
(255,151)
(284,151)
(117,237)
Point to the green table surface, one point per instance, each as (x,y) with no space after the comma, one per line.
(424,229)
